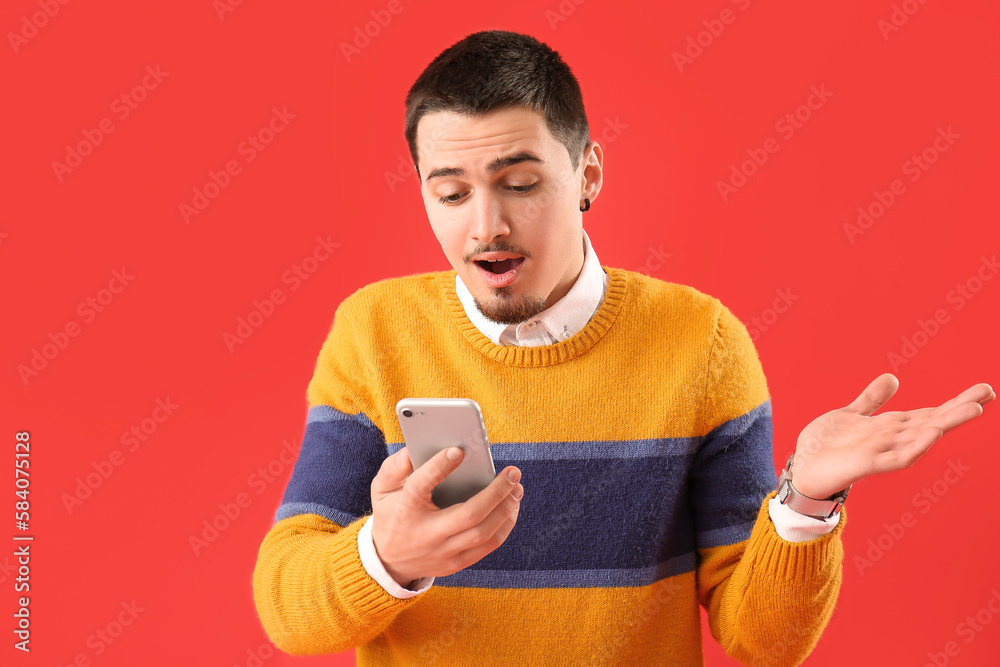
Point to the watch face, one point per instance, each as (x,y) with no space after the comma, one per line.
(782,493)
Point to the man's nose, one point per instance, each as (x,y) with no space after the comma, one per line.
(489,218)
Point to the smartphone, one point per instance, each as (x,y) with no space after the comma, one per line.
(432,424)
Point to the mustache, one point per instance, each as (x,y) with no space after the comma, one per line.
(497,247)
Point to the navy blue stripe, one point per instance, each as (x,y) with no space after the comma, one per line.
(730,477)
(596,514)
(628,511)
(339,457)
(475,578)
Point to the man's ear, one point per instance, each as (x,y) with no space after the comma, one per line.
(592,175)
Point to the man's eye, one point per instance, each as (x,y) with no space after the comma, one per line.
(517,189)
(448,199)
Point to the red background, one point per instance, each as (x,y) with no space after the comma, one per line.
(325,175)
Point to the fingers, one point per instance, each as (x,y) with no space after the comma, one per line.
(927,437)
(875,395)
(475,510)
(919,435)
(477,553)
(981,393)
(985,391)
(391,474)
(474,543)
(956,416)
(432,473)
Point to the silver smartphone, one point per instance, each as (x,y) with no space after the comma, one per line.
(432,424)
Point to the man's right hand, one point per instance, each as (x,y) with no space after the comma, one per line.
(415,538)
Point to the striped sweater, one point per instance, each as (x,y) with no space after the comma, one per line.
(647,466)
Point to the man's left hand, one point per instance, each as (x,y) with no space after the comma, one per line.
(848,444)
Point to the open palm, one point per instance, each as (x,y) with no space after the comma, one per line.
(847,444)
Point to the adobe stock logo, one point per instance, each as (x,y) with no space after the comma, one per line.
(105,636)
(662,594)
(122,107)
(432,649)
(231,510)
(923,501)
(696,44)
(565,9)
(104,468)
(295,277)
(961,294)
(223,7)
(59,339)
(787,126)
(968,629)
(782,302)
(37,21)
(256,657)
(914,167)
(364,35)
(898,18)
(655,259)
(249,148)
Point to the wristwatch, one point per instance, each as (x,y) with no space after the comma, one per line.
(816,508)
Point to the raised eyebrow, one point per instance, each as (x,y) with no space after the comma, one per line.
(493,167)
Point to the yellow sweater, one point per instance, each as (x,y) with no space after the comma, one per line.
(645,447)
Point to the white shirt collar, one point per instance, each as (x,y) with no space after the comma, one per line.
(559,321)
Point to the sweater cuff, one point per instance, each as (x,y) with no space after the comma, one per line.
(796,560)
(360,591)
(375,568)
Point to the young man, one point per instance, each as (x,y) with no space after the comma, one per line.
(636,411)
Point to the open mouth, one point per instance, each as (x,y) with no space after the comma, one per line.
(500,266)
(501,273)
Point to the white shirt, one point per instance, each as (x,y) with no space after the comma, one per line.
(559,321)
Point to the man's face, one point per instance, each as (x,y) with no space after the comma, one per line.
(501,185)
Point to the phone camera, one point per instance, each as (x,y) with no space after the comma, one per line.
(407,413)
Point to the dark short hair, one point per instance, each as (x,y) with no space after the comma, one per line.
(497,69)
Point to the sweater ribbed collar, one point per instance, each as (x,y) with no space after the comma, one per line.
(544,355)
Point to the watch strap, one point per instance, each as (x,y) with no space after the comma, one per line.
(818,508)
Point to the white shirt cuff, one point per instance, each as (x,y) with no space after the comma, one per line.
(375,569)
(795,527)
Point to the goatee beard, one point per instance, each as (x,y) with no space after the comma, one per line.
(505,308)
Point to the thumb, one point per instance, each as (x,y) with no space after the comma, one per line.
(394,470)
(875,395)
